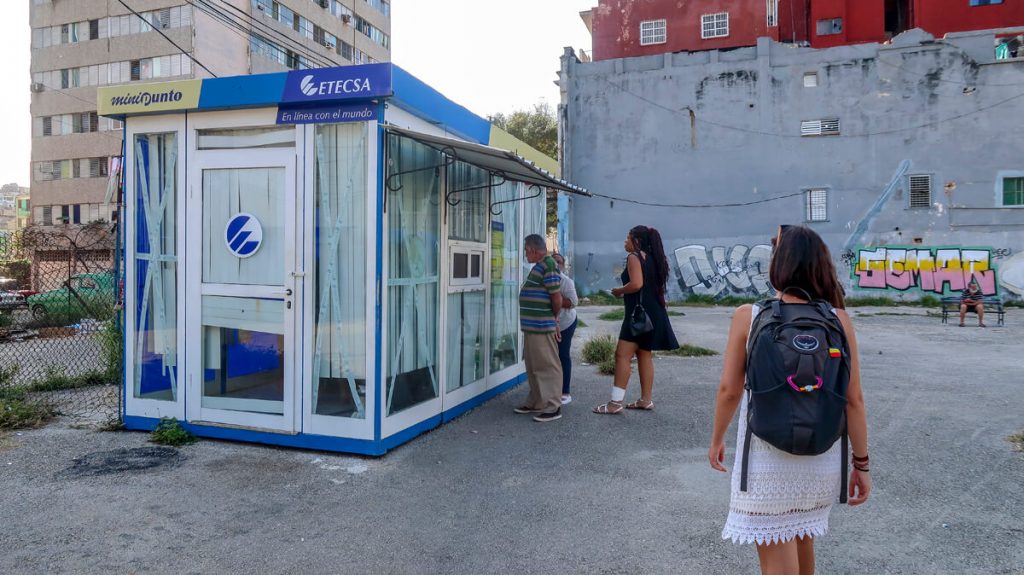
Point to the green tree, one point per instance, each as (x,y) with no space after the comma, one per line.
(538,128)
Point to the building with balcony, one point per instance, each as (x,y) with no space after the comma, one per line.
(81,45)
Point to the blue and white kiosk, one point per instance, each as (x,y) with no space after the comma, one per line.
(325,258)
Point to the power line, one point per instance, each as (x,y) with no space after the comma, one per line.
(958,82)
(254,20)
(778,135)
(697,206)
(246,30)
(166,37)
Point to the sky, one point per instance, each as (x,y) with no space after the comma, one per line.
(16,124)
(487,55)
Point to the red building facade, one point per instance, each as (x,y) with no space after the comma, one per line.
(625,28)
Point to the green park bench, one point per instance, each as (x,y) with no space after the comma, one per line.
(993,305)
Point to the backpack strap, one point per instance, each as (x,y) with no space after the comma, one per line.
(843,482)
(744,467)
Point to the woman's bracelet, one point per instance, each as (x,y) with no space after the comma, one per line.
(860,459)
(861,468)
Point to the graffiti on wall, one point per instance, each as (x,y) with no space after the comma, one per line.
(721,271)
(933,270)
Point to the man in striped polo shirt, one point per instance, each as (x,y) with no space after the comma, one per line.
(540,300)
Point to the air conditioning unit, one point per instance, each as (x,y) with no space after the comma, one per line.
(37,87)
(346,18)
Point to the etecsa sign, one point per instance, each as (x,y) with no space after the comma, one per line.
(345,83)
(243,235)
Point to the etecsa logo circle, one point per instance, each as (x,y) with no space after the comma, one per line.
(243,235)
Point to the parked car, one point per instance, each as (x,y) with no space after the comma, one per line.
(9,297)
(81,296)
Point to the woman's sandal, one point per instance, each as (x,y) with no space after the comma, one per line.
(641,405)
(610,408)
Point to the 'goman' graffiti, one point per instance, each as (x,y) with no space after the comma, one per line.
(720,271)
(933,270)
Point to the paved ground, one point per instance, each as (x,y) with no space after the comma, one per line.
(494,492)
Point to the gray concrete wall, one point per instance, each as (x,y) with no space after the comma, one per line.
(714,128)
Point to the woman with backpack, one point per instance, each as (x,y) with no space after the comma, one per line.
(803,353)
(646,326)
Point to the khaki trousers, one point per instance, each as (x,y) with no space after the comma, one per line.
(543,371)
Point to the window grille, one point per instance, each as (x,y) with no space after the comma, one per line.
(920,191)
(817,205)
(714,25)
(823,127)
(652,32)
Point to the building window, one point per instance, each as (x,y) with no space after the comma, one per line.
(382,5)
(830,26)
(1013,191)
(47,216)
(920,191)
(714,25)
(773,13)
(94,29)
(811,80)
(985,2)
(823,127)
(816,202)
(652,32)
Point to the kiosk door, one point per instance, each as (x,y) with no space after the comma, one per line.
(242,242)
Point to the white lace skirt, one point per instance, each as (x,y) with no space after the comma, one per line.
(787,495)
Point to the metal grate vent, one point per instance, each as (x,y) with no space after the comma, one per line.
(920,191)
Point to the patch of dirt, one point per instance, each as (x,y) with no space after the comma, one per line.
(122,461)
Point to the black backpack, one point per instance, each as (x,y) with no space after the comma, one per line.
(798,371)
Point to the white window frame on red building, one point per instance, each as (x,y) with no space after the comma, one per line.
(653,32)
(714,25)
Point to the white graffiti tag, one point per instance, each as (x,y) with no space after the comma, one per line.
(739,270)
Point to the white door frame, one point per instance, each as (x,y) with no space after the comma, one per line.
(200,160)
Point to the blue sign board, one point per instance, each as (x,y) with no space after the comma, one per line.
(344,83)
(329,114)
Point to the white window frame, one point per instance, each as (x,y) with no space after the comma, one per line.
(1001,176)
(653,32)
(920,181)
(816,205)
(810,79)
(469,249)
(714,25)
(772,10)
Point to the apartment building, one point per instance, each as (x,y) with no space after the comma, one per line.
(628,28)
(78,45)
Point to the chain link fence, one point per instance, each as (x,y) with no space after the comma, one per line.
(60,329)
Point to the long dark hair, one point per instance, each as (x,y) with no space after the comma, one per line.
(802,260)
(648,240)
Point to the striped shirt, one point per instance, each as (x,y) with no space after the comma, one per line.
(535,312)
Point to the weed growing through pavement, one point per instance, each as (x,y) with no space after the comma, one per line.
(599,349)
(17,409)
(170,432)
(689,350)
(607,367)
(1017,440)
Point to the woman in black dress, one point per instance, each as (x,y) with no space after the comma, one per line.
(643,284)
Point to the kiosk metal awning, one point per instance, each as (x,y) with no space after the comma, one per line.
(495,160)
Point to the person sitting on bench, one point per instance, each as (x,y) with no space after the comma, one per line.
(971,299)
